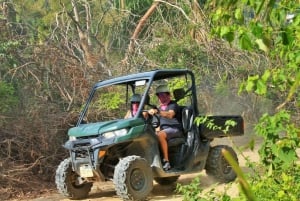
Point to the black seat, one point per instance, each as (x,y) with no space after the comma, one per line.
(186,112)
(187,118)
(178,95)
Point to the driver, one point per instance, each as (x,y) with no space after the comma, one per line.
(170,127)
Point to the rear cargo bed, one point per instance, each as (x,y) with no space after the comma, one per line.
(214,126)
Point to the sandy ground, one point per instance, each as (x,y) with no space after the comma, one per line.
(105,191)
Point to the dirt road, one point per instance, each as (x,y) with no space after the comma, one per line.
(105,191)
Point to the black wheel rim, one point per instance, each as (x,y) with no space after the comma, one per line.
(137,179)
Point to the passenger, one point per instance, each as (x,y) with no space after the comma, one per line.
(169,124)
(134,105)
(135,101)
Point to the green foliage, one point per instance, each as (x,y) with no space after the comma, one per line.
(179,83)
(256,83)
(8,98)
(8,54)
(274,35)
(278,150)
(114,102)
(36,16)
(176,83)
(272,81)
(262,25)
(283,186)
(210,124)
(173,53)
(190,192)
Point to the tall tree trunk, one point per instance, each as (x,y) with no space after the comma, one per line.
(138,29)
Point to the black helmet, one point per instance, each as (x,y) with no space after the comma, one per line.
(135,98)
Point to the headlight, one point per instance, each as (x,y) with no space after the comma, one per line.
(116,133)
(72,138)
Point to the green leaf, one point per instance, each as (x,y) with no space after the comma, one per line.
(229,37)
(270,170)
(266,75)
(257,30)
(281,194)
(262,46)
(238,14)
(297,60)
(261,87)
(245,42)
(253,78)
(224,30)
(249,86)
(284,38)
(241,88)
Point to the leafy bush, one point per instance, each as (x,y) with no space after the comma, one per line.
(8,99)
(278,151)
(282,186)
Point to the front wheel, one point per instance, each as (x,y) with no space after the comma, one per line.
(69,183)
(133,178)
(218,167)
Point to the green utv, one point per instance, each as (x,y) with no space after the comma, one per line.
(106,147)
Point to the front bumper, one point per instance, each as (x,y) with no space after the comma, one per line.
(86,157)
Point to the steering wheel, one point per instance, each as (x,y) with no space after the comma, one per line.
(154,119)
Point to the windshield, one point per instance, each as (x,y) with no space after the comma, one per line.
(114,101)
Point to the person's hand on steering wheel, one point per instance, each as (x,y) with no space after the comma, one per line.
(153,111)
(155,121)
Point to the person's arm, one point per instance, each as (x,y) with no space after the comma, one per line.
(170,114)
(145,114)
(128,114)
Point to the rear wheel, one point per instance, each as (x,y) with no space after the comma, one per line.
(166,180)
(69,183)
(218,167)
(133,178)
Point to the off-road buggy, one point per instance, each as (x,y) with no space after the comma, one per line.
(104,146)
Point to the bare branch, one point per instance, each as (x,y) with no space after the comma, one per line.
(26,168)
(14,70)
(177,7)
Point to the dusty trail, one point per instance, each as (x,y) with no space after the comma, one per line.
(105,191)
